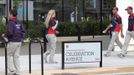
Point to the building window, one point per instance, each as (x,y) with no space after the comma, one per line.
(2,10)
(91,4)
(106,4)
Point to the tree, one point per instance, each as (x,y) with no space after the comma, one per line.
(110,3)
(16,3)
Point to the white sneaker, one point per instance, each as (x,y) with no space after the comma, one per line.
(11,73)
(45,58)
(126,52)
(53,62)
(16,74)
(108,54)
(121,55)
(45,61)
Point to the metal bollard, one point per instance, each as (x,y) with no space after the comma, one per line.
(5,58)
(5,46)
(34,40)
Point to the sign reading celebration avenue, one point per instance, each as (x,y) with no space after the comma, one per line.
(81,52)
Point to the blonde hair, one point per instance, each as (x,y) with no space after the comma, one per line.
(49,15)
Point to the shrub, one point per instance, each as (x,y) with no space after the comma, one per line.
(37,29)
(34,29)
(3,29)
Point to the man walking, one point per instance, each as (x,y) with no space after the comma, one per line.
(129,33)
(115,26)
(15,37)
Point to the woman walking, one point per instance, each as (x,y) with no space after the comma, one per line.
(51,24)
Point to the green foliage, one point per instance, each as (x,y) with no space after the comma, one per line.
(16,3)
(34,29)
(37,29)
(3,28)
(84,27)
(67,28)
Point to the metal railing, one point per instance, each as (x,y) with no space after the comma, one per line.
(35,40)
(5,46)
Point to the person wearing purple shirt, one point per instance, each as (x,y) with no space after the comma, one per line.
(15,30)
(15,37)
